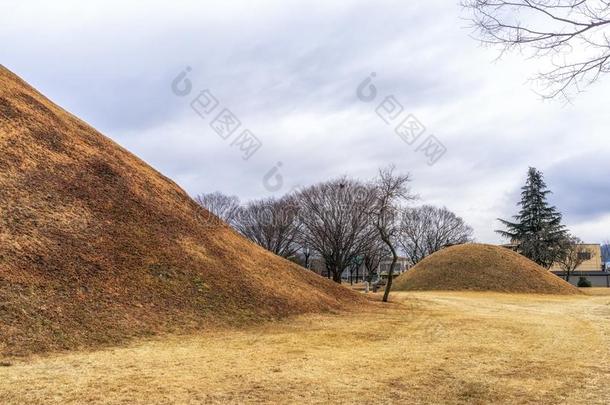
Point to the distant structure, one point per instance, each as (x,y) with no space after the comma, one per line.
(359,274)
(402,265)
(593,268)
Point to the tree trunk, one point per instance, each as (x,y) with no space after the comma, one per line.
(388,286)
(337,276)
(369,275)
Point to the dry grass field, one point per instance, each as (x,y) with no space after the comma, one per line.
(426,347)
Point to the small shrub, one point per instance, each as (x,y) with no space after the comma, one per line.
(583,282)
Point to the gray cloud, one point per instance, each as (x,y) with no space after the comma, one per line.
(581,186)
(289,71)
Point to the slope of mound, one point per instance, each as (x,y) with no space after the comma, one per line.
(96,246)
(480,267)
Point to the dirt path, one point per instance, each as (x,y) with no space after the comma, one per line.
(425,348)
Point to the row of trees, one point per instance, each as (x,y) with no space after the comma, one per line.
(346,222)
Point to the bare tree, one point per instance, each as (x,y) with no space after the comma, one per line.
(572,34)
(427,229)
(223,206)
(334,219)
(374,253)
(389,192)
(354,267)
(305,251)
(574,254)
(271,223)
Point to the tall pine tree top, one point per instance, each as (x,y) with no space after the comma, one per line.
(537,230)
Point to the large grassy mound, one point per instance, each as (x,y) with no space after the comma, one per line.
(480,267)
(96,246)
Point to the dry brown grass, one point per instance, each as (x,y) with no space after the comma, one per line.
(480,267)
(97,247)
(426,347)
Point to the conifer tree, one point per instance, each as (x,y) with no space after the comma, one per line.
(537,230)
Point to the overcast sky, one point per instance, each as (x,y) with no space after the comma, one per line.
(289,71)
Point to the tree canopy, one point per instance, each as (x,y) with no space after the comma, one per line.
(537,230)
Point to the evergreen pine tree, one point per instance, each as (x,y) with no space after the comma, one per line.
(537,231)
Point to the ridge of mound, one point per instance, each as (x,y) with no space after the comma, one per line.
(97,247)
(480,267)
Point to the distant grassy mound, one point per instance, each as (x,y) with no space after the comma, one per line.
(480,267)
(96,246)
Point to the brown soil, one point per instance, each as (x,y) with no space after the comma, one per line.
(479,267)
(97,247)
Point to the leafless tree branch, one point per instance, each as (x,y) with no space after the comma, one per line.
(335,222)
(271,223)
(571,34)
(427,229)
(223,206)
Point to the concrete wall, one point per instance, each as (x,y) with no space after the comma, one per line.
(597,280)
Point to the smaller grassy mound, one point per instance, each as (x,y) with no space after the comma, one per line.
(479,267)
